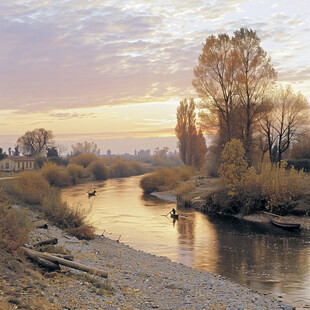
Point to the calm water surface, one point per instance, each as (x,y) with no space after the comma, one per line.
(263,257)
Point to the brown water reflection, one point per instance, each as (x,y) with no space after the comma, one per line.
(263,257)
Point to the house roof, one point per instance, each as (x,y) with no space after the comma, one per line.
(19,158)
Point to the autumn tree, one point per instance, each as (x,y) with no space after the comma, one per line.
(191,143)
(214,81)
(232,78)
(254,75)
(86,147)
(35,142)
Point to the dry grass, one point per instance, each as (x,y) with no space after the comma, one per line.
(30,187)
(59,213)
(184,191)
(14,229)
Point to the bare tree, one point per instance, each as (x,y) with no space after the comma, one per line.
(35,142)
(291,114)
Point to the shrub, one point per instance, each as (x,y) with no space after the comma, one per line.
(75,172)
(98,170)
(136,167)
(83,160)
(233,166)
(39,161)
(55,175)
(120,169)
(163,179)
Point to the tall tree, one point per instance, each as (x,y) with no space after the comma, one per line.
(254,75)
(192,145)
(35,142)
(214,79)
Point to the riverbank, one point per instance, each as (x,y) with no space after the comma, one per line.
(205,185)
(137,280)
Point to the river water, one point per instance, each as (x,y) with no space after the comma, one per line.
(260,256)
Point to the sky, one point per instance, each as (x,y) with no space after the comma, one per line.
(114,71)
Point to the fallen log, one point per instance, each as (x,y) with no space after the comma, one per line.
(45,242)
(67,263)
(43,262)
(64,256)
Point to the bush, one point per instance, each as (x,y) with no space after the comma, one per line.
(75,172)
(163,179)
(83,160)
(120,169)
(39,161)
(234,165)
(98,170)
(55,175)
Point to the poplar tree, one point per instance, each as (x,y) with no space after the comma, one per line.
(192,145)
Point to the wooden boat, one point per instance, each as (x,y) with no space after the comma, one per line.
(285,225)
(174,216)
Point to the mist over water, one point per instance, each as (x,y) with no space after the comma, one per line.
(260,256)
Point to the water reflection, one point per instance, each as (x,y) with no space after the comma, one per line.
(263,257)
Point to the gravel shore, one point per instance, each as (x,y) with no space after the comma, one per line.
(139,280)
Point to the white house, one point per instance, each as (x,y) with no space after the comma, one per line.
(16,163)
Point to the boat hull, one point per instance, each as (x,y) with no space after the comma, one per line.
(288,226)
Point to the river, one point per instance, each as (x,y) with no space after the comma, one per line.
(260,256)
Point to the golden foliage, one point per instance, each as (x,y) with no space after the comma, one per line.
(234,165)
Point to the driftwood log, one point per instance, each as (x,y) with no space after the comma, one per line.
(43,262)
(65,262)
(45,242)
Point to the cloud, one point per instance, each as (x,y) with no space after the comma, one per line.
(71,54)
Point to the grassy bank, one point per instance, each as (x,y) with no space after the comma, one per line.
(32,189)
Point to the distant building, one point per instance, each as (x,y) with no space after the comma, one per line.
(144,153)
(109,153)
(16,163)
